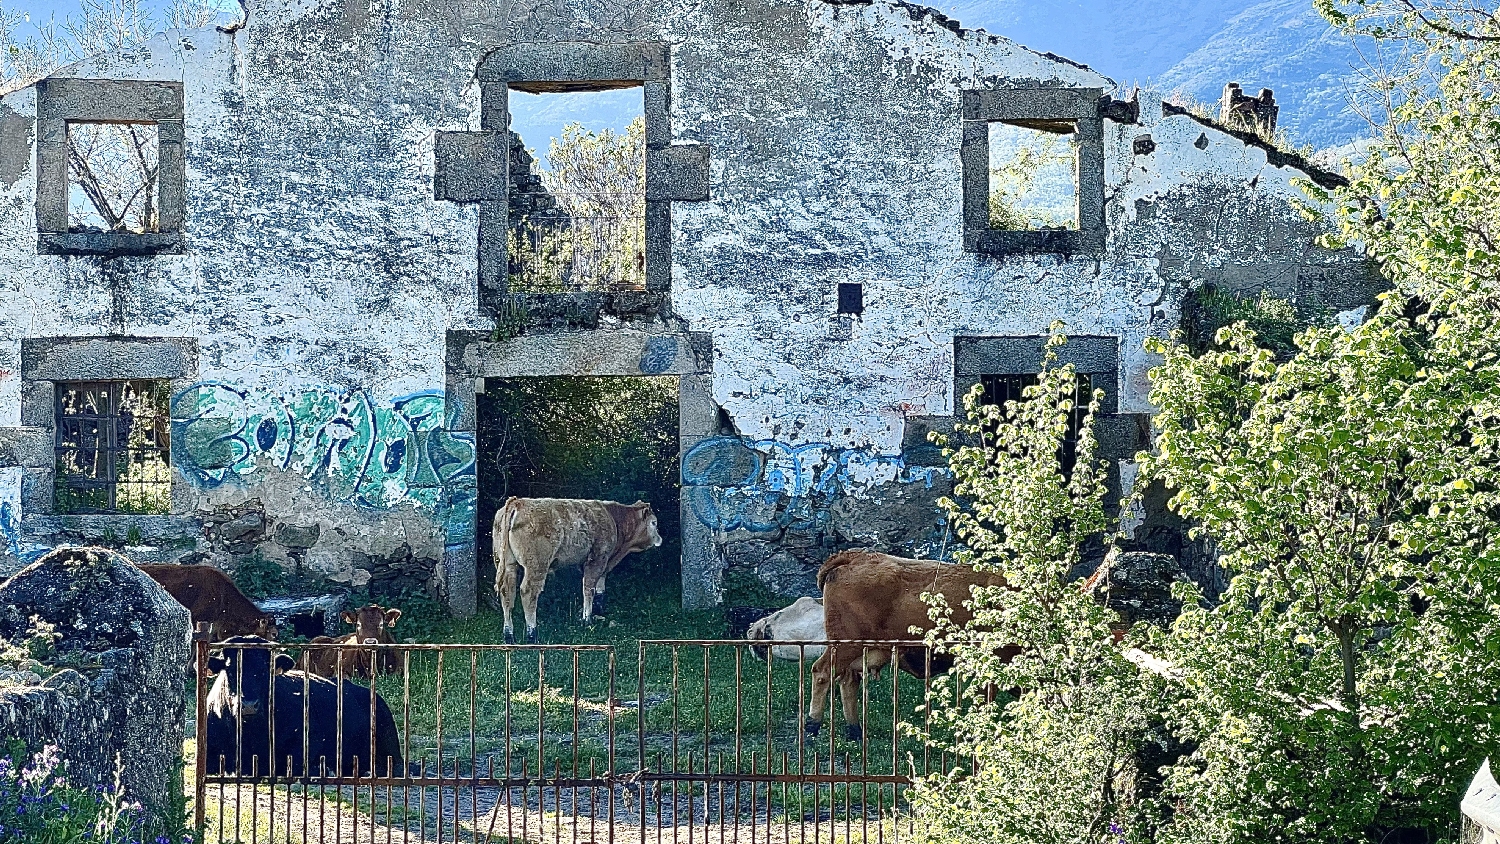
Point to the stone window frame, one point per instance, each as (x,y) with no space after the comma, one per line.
(64,101)
(46,361)
(472,167)
(1034,105)
(1095,356)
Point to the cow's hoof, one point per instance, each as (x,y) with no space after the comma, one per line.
(853,732)
(510,637)
(812,728)
(531,637)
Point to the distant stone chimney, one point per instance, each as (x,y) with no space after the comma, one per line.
(1252,114)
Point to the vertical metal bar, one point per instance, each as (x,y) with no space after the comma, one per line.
(895,714)
(439,696)
(786,812)
(406,744)
(270,747)
(541,740)
(675,766)
(575,747)
(509,816)
(239,736)
(817,796)
(609,727)
(473,747)
(200,728)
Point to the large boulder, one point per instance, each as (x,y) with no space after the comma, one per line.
(122,698)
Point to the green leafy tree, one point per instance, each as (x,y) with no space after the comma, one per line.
(1056,763)
(595,238)
(1347,683)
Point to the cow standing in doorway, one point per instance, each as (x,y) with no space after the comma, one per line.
(542,535)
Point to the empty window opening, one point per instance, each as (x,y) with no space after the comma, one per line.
(1034,175)
(999,389)
(609,438)
(851,298)
(113,451)
(112,177)
(577,191)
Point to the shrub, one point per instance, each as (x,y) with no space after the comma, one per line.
(1056,764)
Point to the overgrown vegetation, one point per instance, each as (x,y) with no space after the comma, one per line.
(1343,689)
(38,805)
(1275,321)
(259,577)
(1054,764)
(594,237)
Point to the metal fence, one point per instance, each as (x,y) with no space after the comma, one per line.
(683,741)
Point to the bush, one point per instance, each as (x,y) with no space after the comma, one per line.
(1056,764)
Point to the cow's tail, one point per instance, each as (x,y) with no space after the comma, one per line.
(832,564)
(501,546)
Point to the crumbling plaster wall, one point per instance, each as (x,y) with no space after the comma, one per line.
(324,284)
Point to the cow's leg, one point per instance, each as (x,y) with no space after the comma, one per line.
(849,683)
(589,587)
(531,592)
(505,590)
(599,595)
(822,682)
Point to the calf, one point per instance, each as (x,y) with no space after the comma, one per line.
(370,622)
(256,712)
(800,622)
(212,599)
(868,595)
(542,535)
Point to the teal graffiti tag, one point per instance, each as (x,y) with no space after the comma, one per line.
(352,448)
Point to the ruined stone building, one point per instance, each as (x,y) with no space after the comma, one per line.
(317,285)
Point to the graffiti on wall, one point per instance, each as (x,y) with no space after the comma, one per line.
(735,483)
(371,454)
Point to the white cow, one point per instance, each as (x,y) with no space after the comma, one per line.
(800,622)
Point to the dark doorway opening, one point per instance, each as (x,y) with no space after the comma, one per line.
(610,438)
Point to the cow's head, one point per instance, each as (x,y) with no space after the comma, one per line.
(372,622)
(265,627)
(646,534)
(248,672)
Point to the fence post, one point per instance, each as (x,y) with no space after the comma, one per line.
(201,638)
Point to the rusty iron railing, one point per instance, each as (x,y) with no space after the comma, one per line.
(533,743)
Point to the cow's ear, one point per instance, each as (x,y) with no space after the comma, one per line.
(639,503)
(284,663)
(348,617)
(391,617)
(216,663)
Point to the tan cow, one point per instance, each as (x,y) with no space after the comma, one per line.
(370,622)
(869,595)
(542,535)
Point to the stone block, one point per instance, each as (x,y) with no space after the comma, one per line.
(1138,585)
(297,537)
(131,641)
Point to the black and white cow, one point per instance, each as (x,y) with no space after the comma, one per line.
(307,709)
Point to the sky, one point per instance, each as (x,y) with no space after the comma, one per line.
(1190,45)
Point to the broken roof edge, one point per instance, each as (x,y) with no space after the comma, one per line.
(918,12)
(1275,156)
(136,63)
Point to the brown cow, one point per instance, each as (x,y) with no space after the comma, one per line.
(869,595)
(542,535)
(213,599)
(370,622)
